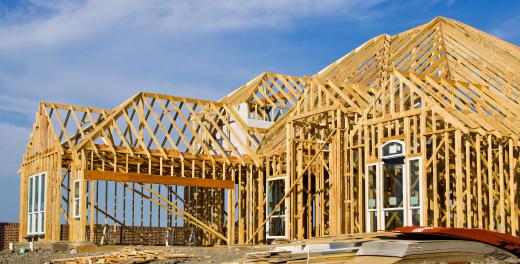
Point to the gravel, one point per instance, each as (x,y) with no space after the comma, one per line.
(216,254)
(37,256)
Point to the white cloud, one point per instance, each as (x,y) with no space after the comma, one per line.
(11,149)
(76,21)
(17,104)
(507,29)
(76,51)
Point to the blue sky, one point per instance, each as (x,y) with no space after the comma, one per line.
(100,53)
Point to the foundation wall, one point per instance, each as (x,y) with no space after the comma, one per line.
(9,233)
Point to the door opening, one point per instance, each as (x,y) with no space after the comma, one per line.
(393,190)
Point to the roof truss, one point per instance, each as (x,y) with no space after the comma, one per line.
(150,123)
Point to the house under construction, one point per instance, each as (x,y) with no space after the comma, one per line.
(417,129)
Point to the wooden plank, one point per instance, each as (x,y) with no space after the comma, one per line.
(512,190)
(447,191)
(157,179)
(459,198)
(490,184)
(501,188)
(480,197)
(469,187)
(424,182)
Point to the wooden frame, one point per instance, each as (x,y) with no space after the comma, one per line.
(368,222)
(450,92)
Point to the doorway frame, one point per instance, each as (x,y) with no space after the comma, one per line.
(407,216)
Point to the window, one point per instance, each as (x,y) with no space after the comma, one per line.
(372,199)
(392,149)
(36,205)
(392,196)
(277,224)
(75,202)
(414,192)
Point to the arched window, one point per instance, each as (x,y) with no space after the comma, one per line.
(392,149)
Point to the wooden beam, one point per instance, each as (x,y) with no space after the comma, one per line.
(157,179)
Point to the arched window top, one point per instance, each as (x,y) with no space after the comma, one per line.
(393,148)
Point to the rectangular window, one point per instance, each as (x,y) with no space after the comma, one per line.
(75,201)
(414,191)
(276,225)
(392,186)
(36,204)
(371,196)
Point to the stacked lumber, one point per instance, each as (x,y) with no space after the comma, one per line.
(382,251)
(404,248)
(304,253)
(126,255)
(295,258)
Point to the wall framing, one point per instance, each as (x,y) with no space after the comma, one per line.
(450,92)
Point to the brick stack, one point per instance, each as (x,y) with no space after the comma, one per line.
(64,232)
(8,234)
(118,235)
(152,235)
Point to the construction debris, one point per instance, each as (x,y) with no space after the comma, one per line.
(127,255)
(403,248)
(389,248)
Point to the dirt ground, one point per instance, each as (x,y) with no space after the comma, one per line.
(217,254)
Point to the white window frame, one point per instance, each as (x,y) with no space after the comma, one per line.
(34,207)
(394,155)
(408,190)
(286,204)
(76,200)
(378,199)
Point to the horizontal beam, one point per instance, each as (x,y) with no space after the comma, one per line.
(182,99)
(75,107)
(174,154)
(157,179)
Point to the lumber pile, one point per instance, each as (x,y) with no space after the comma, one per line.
(304,253)
(295,258)
(126,255)
(383,251)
